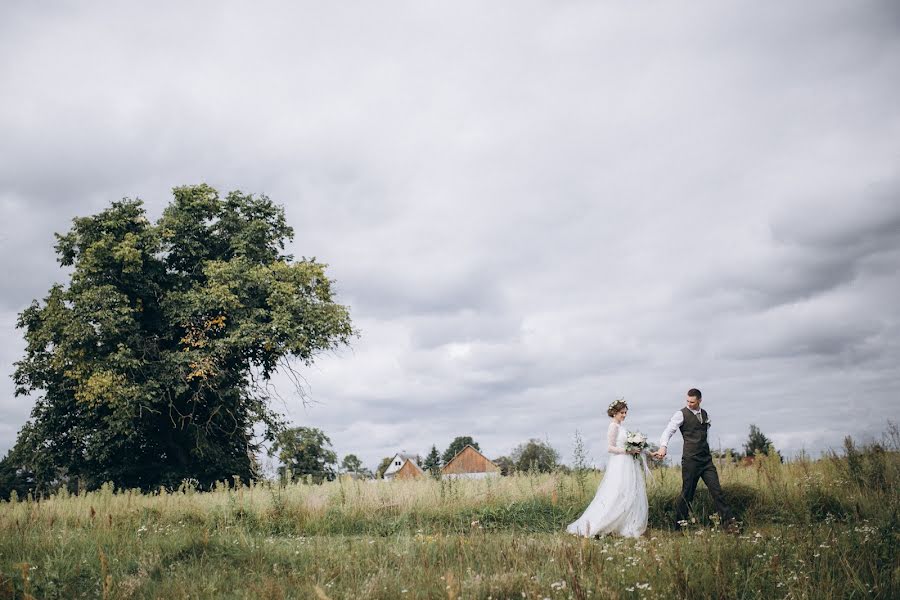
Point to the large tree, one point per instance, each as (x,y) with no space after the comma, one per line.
(153,363)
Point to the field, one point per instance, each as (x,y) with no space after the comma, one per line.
(812,529)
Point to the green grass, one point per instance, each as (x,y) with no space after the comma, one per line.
(812,530)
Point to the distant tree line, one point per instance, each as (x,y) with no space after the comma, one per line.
(305,454)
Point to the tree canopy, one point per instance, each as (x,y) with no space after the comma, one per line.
(758,443)
(152,364)
(535,454)
(305,453)
(352,464)
(433,462)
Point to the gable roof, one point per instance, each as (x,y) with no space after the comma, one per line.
(470,460)
(409,469)
(403,455)
(400,457)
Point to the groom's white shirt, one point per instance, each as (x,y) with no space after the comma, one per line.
(674,423)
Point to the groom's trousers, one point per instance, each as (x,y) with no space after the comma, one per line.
(692,471)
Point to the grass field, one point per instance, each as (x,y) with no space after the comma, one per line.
(812,529)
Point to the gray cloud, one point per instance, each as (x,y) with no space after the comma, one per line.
(532,209)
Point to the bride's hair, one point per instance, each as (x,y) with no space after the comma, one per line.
(616,407)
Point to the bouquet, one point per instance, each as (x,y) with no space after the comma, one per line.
(636,443)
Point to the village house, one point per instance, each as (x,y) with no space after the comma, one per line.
(403,466)
(469,463)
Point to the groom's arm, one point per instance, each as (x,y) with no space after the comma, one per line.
(674,423)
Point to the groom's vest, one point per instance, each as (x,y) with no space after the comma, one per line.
(694,434)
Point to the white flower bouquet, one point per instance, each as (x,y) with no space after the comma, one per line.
(636,443)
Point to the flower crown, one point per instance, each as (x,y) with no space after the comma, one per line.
(618,404)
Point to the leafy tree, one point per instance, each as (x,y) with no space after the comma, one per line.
(383,466)
(433,462)
(152,364)
(305,452)
(758,443)
(535,454)
(351,464)
(456,446)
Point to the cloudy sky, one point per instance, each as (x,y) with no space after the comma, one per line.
(532,208)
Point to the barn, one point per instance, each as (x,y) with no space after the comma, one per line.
(469,463)
(409,470)
(403,466)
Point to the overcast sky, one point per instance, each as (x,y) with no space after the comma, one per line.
(532,208)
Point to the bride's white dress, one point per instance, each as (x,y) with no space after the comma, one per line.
(620,504)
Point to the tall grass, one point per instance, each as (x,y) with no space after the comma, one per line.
(768,491)
(824,528)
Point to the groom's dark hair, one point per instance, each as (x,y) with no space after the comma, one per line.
(694,393)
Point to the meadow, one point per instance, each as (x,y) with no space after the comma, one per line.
(826,528)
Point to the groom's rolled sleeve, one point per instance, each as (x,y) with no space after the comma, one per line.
(674,423)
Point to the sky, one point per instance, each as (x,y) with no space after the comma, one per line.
(532,208)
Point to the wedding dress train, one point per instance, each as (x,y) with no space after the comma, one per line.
(620,504)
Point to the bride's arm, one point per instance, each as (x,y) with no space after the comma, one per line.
(611,434)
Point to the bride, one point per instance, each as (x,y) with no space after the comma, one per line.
(620,504)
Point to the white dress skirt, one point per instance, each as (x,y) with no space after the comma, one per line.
(620,504)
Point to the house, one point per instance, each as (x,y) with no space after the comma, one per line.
(403,466)
(409,470)
(469,463)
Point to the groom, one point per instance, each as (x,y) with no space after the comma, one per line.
(696,460)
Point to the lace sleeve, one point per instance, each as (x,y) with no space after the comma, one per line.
(611,435)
